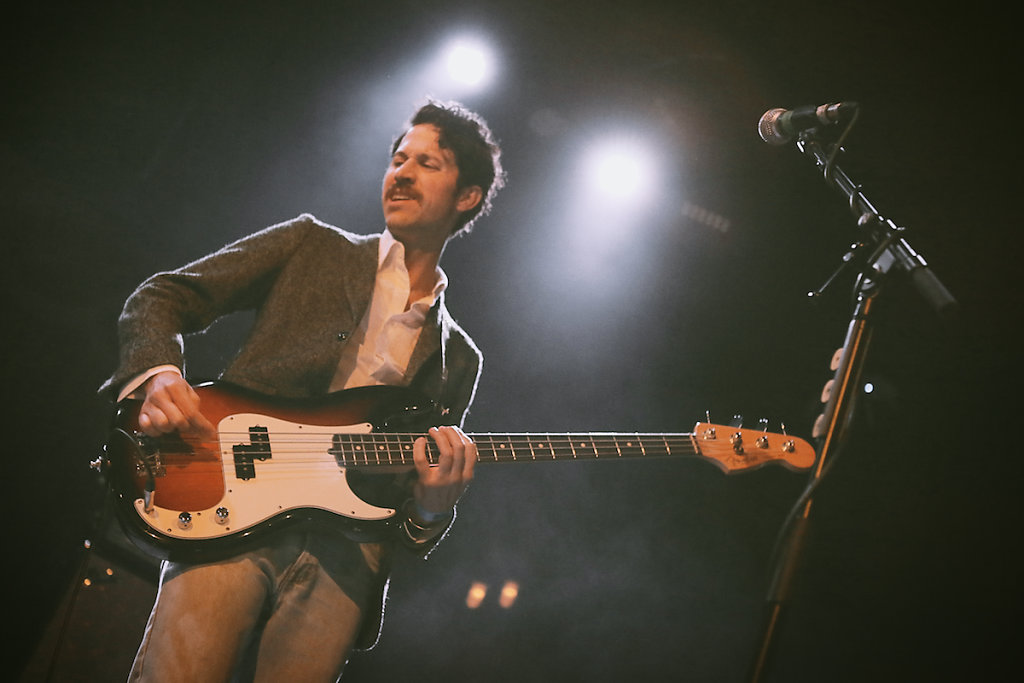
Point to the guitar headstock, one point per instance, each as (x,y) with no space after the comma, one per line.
(734,449)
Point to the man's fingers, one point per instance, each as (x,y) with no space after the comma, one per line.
(172,404)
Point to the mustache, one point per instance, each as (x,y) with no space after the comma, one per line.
(401,189)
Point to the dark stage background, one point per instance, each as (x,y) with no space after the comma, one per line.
(138,137)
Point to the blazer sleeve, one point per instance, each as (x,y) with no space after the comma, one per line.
(171,304)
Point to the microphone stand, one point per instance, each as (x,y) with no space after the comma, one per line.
(888,251)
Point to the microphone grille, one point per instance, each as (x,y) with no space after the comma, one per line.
(769,129)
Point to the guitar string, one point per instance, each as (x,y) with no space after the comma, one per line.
(377,447)
(292,466)
(374,448)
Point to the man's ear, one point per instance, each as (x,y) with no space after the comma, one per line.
(468,198)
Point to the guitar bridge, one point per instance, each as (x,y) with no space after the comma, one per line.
(149,455)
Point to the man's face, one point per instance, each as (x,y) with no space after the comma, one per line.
(419,197)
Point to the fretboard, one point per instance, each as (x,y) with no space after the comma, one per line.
(387,449)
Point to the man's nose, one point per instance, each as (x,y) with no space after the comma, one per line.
(404,173)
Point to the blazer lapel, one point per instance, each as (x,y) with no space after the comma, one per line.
(431,339)
(360,272)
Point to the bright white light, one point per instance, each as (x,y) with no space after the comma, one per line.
(868,387)
(469,63)
(621,170)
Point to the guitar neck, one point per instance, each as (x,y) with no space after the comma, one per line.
(392,449)
(730,448)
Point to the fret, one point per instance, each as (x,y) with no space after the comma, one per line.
(368,444)
(397,448)
(504,449)
(541,445)
(366,447)
(494,452)
(377,448)
(356,449)
(405,451)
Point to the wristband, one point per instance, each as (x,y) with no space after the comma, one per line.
(429,517)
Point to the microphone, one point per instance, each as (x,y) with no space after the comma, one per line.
(779,126)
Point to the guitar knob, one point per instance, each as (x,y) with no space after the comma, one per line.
(221,514)
(826,392)
(185,521)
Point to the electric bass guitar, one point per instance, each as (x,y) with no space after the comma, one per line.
(275,462)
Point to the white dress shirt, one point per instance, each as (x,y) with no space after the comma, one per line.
(392,329)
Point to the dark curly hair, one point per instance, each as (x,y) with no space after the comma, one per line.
(477,154)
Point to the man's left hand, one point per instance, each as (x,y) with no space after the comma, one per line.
(440,486)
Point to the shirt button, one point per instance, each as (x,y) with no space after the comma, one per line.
(342,336)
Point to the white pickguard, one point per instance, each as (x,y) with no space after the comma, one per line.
(300,473)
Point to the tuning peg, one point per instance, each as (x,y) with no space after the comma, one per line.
(789,445)
(709,432)
(762,441)
(736,421)
(737,443)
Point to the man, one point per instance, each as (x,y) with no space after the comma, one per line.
(334,310)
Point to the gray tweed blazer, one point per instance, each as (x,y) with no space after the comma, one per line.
(309,283)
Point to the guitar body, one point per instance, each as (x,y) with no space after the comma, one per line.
(275,462)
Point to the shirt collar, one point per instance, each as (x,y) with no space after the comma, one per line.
(391,255)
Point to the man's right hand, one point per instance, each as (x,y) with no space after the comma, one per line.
(171,404)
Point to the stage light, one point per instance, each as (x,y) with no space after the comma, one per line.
(469,63)
(475,596)
(509,593)
(620,170)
